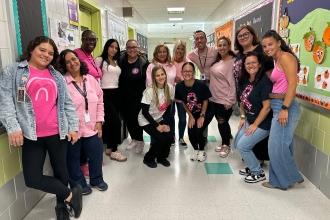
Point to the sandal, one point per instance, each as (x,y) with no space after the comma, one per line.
(118,156)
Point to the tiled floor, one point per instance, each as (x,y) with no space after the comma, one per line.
(186,191)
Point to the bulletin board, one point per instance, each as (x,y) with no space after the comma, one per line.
(143,42)
(116,28)
(305,25)
(260,18)
(224,30)
(210,40)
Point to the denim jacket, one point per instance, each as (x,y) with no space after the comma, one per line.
(20,116)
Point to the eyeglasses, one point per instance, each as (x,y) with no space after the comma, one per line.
(131,48)
(244,35)
(251,63)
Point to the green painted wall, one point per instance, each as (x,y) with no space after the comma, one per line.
(10,162)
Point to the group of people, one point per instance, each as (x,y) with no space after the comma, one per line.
(71,117)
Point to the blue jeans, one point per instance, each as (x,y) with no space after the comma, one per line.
(182,119)
(93,149)
(245,144)
(283,171)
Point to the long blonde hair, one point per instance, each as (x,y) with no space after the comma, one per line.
(155,88)
(177,44)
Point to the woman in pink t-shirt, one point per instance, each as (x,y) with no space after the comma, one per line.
(223,89)
(87,97)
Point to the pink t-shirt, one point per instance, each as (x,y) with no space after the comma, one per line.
(42,90)
(203,60)
(222,82)
(170,72)
(280,83)
(95,104)
(93,69)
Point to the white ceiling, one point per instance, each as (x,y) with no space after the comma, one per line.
(155,15)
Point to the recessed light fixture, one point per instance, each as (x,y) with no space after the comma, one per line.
(175,19)
(175,9)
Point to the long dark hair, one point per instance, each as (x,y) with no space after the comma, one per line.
(62,65)
(284,46)
(230,52)
(36,42)
(245,75)
(255,40)
(104,53)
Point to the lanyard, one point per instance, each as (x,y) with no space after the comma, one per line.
(83,93)
(200,61)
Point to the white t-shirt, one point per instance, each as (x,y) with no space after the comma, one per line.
(155,112)
(110,76)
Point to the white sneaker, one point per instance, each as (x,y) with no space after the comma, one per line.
(218,148)
(139,147)
(132,144)
(194,155)
(201,156)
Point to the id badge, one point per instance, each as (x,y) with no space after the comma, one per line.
(203,77)
(21,94)
(87,117)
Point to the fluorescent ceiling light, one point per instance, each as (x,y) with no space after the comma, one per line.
(175,19)
(176,9)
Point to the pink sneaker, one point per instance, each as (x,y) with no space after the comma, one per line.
(139,147)
(132,144)
(118,156)
(85,169)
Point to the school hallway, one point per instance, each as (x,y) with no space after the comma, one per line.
(185,191)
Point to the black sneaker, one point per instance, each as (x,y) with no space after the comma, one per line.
(255,178)
(164,162)
(101,186)
(245,172)
(151,164)
(61,212)
(86,190)
(74,207)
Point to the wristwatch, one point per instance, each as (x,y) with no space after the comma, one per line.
(202,115)
(284,107)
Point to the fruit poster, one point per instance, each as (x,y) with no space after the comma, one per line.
(307,23)
(302,76)
(296,49)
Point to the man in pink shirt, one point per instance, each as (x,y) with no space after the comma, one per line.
(203,56)
(88,43)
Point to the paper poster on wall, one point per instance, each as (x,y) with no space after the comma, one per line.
(62,35)
(143,42)
(224,30)
(116,28)
(73,12)
(210,40)
(303,75)
(308,21)
(322,79)
(295,49)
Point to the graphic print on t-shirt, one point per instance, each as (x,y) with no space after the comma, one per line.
(42,91)
(135,71)
(244,98)
(162,107)
(192,103)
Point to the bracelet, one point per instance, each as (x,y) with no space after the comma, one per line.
(242,116)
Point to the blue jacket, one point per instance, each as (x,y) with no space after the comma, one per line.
(20,116)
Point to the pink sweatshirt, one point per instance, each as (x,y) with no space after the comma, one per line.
(222,82)
(203,60)
(95,104)
(178,67)
(170,72)
(42,90)
(93,69)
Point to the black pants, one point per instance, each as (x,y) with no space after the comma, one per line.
(112,122)
(195,134)
(161,143)
(223,115)
(33,159)
(130,111)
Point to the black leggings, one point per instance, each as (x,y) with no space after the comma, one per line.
(161,143)
(112,123)
(33,159)
(223,115)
